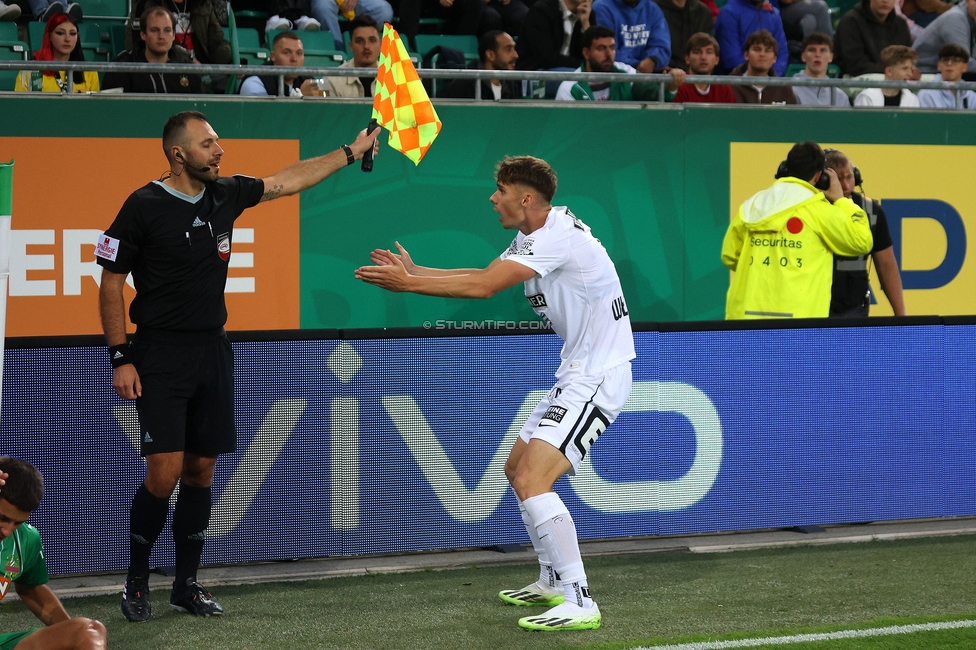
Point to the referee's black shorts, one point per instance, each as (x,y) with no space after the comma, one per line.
(187,401)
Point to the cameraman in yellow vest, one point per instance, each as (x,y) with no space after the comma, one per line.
(782,243)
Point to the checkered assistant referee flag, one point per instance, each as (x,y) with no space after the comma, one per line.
(401,104)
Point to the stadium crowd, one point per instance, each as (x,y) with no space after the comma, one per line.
(875,39)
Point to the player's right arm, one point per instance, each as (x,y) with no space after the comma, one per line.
(484,284)
(111,309)
(381,257)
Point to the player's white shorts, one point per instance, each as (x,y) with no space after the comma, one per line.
(576,412)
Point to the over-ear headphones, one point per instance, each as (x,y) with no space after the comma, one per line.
(857,172)
(822,184)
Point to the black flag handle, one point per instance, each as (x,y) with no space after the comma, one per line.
(367,165)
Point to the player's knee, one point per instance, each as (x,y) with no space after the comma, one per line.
(95,633)
(162,473)
(510,468)
(85,633)
(161,485)
(526,485)
(198,475)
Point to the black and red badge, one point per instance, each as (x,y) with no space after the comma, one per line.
(223,246)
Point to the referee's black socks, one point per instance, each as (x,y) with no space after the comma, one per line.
(190,520)
(146,520)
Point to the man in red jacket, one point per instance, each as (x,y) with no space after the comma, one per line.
(702,57)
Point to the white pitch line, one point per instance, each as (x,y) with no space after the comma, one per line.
(806,638)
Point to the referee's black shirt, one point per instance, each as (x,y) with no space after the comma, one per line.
(178,252)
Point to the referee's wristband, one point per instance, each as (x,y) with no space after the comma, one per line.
(120,355)
(350,159)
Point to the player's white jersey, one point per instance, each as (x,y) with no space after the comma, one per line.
(577,290)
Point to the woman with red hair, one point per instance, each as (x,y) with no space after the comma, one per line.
(61,43)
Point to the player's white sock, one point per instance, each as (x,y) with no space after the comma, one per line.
(557,534)
(547,575)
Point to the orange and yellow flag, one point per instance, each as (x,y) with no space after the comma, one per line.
(401,104)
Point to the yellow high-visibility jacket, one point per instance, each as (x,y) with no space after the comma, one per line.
(52,84)
(781,246)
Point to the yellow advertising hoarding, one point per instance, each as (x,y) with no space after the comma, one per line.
(68,190)
(926,194)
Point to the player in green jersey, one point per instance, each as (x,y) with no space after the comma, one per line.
(22,564)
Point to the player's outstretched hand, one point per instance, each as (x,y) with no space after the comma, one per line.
(392,276)
(381,257)
(126,382)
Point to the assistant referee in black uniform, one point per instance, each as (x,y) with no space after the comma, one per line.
(174,237)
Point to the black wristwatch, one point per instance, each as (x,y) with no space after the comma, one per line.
(350,159)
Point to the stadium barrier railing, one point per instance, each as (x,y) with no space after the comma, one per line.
(836,85)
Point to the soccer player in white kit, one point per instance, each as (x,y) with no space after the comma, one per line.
(572,283)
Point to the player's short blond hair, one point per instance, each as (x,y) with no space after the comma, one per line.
(529,171)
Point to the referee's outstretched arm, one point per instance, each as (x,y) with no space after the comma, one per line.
(305,173)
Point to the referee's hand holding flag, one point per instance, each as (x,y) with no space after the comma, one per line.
(401,104)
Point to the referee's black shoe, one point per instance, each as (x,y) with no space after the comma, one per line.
(135,600)
(194,599)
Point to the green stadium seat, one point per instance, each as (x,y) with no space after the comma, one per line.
(252,19)
(534,89)
(248,45)
(91,42)
(230,33)
(313,42)
(250,13)
(11,49)
(104,27)
(248,37)
(467,44)
(325,59)
(35,33)
(8,32)
(8,53)
(116,40)
(105,9)
(433,23)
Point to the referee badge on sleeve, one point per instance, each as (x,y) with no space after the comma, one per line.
(107,248)
(223,246)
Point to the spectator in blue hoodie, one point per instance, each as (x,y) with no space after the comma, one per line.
(643,35)
(740,18)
